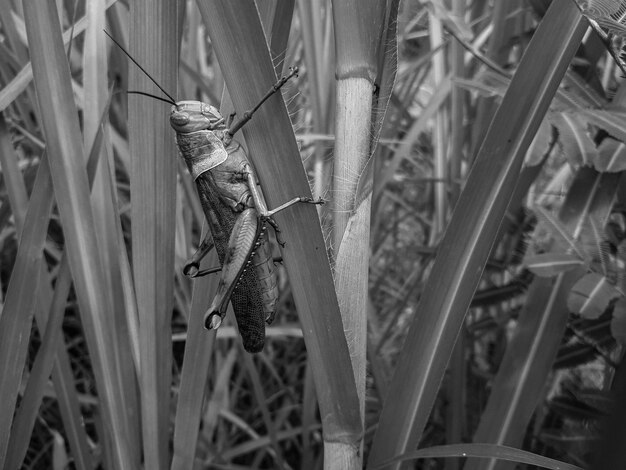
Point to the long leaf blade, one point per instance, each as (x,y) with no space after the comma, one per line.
(235,31)
(469,237)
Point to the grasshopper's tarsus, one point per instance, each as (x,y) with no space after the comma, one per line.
(212,321)
(192,266)
(274,225)
(310,200)
(191,269)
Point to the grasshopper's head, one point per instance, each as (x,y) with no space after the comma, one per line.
(192,116)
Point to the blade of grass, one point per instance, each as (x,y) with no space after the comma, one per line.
(154,44)
(52,348)
(61,375)
(496,53)
(19,305)
(440,163)
(457,388)
(60,122)
(269,423)
(469,237)
(483,450)
(106,216)
(13,89)
(236,32)
(198,352)
(31,400)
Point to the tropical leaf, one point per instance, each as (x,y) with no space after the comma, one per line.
(591,295)
(551,264)
(574,140)
(492,451)
(560,232)
(611,156)
(612,121)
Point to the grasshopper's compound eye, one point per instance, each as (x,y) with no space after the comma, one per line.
(178,118)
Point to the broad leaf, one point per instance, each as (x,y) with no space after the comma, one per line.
(591,295)
(611,156)
(551,264)
(574,139)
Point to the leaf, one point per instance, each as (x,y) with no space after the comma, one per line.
(558,229)
(551,264)
(612,121)
(153,42)
(236,31)
(493,451)
(574,140)
(591,295)
(65,148)
(468,240)
(611,156)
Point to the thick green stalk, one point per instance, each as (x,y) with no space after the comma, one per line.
(363,69)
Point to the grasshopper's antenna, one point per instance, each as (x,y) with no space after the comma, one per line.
(171,100)
(165,100)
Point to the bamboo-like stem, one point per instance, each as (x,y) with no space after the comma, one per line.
(365,66)
(352,144)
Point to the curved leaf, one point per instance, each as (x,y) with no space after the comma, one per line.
(611,156)
(591,295)
(551,264)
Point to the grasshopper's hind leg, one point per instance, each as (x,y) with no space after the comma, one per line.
(240,249)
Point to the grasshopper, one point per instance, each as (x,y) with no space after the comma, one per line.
(235,211)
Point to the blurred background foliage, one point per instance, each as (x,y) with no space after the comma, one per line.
(537,355)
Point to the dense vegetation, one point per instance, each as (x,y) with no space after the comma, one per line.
(460,293)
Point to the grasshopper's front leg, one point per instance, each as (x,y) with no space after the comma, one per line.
(192,266)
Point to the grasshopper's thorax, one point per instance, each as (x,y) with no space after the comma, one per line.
(200,133)
(193,116)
